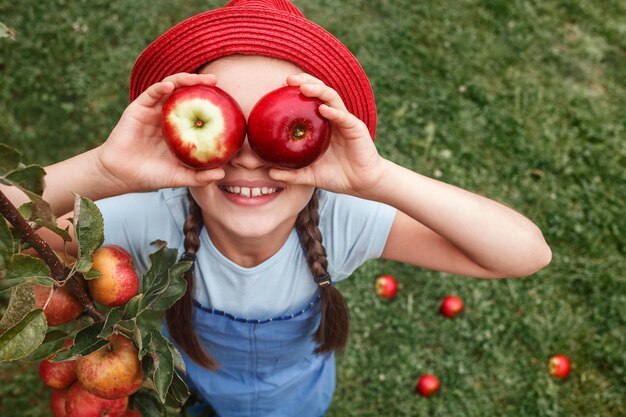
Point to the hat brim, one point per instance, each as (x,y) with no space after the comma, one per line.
(257,31)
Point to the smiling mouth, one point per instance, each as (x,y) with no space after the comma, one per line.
(251,192)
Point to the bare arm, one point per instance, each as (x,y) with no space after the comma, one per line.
(133,158)
(438,226)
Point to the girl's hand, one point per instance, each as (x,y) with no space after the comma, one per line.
(351,165)
(135,156)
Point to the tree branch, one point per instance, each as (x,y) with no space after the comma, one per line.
(58,270)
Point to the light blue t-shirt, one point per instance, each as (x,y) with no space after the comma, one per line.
(353,230)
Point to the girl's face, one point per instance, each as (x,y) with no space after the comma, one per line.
(247,203)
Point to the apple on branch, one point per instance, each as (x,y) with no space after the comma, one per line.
(118,281)
(57,402)
(59,305)
(57,375)
(80,403)
(203,126)
(286,129)
(113,371)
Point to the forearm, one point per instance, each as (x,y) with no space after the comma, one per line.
(81,174)
(492,235)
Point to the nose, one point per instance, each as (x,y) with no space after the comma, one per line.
(246,158)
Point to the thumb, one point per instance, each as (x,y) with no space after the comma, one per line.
(298,176)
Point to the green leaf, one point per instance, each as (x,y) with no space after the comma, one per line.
(51,344)
(21,302)
(23,338)
(91,274)
(157,278)
(148,404)
(6,32)
(29,178)
(88,230)
(179,363)
(178,389)
(25,269)
(113,317)
(131,308)
(9,157)
(6,246)
(42,216)
(156,347)
(176,288)
(86,341)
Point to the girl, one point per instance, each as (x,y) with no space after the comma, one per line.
(261,319)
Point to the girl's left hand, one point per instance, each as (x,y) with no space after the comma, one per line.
(351,165)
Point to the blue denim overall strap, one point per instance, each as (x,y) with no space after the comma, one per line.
(267,367)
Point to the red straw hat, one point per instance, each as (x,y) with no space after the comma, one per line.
(273,28)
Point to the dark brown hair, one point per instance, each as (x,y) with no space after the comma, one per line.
(332,333)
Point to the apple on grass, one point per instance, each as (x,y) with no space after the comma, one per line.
(286,129)
(203,126)
(427,385)
(451,306)
(113,371)
(559,366)
(80,403)
(386,286)
(118,281)
(58,375)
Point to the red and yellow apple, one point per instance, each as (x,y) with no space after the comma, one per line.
(81,403)
(386,286)
(118,281)
(61,307)
(57,375)
(427,385)
(57,402)
(113,371)
(559,366)
(285,128)
(203,126)
(451,306)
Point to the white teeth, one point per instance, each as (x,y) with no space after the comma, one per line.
(250,192)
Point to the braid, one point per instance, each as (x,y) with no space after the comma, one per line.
(332,334)
(179,317)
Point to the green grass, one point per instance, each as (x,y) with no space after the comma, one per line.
(522,101)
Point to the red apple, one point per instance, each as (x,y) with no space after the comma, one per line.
(386,286)
(57,375)
(131,413)
(203,126)
(62,306)
(286,129)
(559,366)
(113,371)
(118,281)
(427,385)
(80,403)
(57,402)
(451,306)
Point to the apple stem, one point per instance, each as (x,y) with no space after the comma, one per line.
(199,123)
(299,132)
(57,269)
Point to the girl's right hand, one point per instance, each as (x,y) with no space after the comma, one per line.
(136,158)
